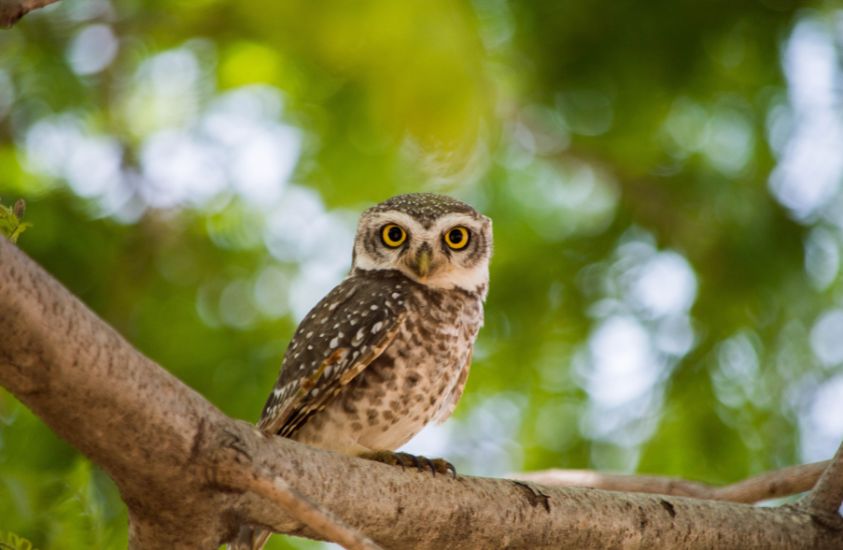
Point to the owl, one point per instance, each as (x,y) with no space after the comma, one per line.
(388,349)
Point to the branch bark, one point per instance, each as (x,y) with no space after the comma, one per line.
(280,492)
(825,502)
(172,454)
(11,11)
(779,483)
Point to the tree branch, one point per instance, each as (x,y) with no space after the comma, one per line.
(275,489)
(171,454)
(766,486)
(12,10)
(825,502)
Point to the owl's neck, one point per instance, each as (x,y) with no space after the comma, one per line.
(473,281)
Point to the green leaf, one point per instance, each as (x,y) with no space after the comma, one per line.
(11,225)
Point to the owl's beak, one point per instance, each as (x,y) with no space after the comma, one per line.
(422,264)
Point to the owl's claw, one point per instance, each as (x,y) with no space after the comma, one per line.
(435,465)
(442,466)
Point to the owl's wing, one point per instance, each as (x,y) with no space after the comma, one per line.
(339,338)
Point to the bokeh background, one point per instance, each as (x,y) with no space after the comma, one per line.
(664,180)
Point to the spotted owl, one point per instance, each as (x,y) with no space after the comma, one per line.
(389,348)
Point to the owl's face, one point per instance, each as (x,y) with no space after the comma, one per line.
(435,240)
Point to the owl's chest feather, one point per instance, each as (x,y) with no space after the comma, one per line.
(409,384)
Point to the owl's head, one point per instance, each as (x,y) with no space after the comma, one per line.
(435,240)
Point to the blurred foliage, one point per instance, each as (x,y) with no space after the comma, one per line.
(663,179)
(11,224)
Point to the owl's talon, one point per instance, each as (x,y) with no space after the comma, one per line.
(424,463)
(420,463)
(445,467)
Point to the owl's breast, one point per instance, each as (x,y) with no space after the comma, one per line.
(408,384)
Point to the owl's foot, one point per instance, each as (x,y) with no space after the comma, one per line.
(405,460)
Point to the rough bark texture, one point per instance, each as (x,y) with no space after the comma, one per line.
(180,463)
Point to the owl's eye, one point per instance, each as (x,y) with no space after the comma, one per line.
(393,235)
(457,237)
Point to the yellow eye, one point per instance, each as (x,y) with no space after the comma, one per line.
(393,236)
(457,237)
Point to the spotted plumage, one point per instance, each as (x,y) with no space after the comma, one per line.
(388,350)
(337,339)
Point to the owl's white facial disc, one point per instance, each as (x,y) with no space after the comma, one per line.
(450,249)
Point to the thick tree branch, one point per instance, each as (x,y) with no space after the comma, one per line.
(171,453)
(238,477)
(766,486)
(12,10)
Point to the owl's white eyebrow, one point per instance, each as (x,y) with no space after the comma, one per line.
(457,218)
(404,220)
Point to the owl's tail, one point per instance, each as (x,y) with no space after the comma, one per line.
(250,538)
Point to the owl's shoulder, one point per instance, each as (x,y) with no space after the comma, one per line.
(362,300)
(341,334)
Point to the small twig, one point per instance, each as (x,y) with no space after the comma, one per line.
(775,484)
(826,500)
(277,490)
(12,10)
